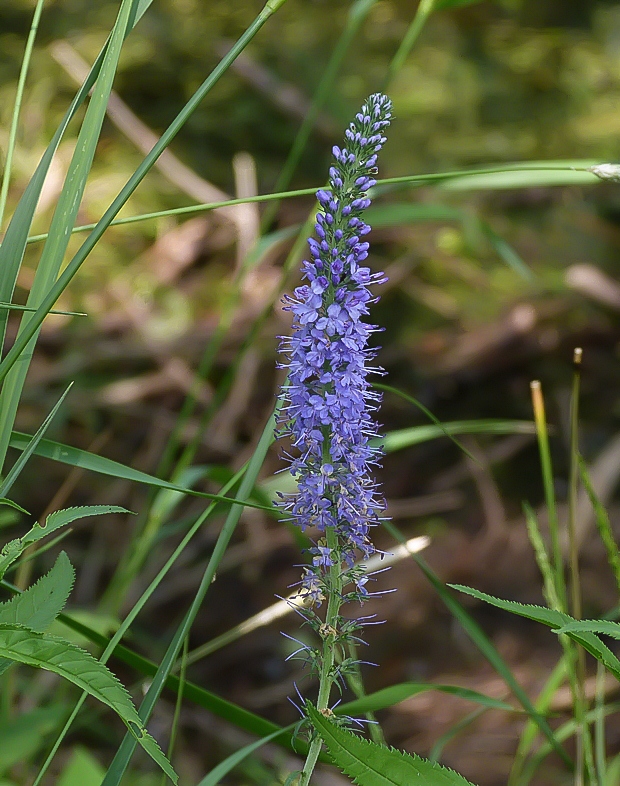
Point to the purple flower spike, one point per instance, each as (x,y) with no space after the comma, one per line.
(329,402)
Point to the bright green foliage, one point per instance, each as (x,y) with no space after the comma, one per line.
(40,604)
(80,668)
(561,623)
(82,769)
(14,548)
(22,737)
(369,764)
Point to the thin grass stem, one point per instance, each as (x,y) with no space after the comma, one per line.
(424,10)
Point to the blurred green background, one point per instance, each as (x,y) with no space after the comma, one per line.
(489,289)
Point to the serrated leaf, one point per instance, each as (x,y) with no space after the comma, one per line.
(13,549)
(554,619)
(387,697)
(38,606)
(79,667)
(604,627)
(370,764)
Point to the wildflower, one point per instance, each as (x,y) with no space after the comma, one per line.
(329,401)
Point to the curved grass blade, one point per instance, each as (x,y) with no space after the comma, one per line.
(224,767)
(383,186)
(30,448)
(427,412)
(406,437)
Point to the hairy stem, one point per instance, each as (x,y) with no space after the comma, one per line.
(326,677)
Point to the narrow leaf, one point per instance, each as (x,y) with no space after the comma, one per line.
(31,447)
(370,764)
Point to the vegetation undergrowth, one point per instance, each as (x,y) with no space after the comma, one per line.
(81,723)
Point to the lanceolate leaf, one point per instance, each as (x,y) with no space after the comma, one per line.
(60,518)
(369,764)
(396,693)
(80,668)
(556,620)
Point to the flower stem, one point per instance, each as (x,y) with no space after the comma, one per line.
(326,677)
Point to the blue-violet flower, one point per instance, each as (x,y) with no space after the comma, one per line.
(328,400)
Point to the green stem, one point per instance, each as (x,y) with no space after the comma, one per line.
(326,677)
(431,177)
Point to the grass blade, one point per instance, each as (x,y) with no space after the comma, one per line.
(31,447)
(52,295)
(63,219)
(125,752)
(21,83)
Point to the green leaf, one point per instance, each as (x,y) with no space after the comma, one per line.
(396,693)
(556,620)
(399,213)
(22,737)
(75,457)
(370,764)
(79,667)
(38,606)
(604,627)
(60,518)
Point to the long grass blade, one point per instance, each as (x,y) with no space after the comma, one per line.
(30,448)
(125,752)
(52,295)
(21,84)
(16,236)
(64,218)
